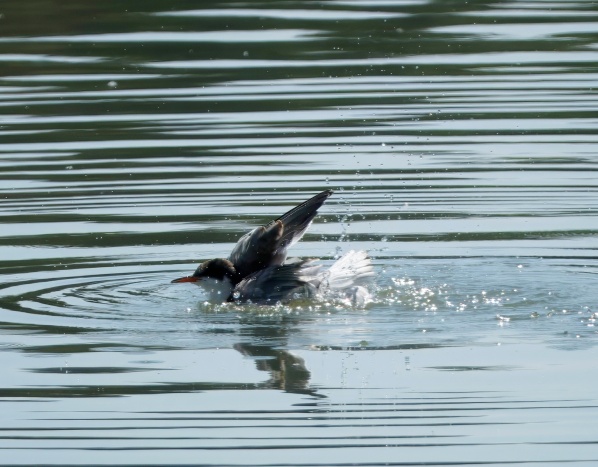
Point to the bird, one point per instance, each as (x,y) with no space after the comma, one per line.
(257,269)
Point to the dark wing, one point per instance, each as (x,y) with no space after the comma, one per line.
(298,219)
(278,283)
(267,246)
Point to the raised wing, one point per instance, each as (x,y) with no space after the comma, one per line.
(267,246)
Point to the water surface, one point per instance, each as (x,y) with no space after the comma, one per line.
(138,139)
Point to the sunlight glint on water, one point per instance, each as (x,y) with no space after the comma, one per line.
(460,142)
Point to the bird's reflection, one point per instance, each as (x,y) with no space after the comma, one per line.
(287,371)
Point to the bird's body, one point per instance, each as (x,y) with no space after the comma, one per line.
(256,270)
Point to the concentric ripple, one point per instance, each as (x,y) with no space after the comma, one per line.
(460,140)
(439,302)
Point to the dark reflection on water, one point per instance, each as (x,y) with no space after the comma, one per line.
(138,139)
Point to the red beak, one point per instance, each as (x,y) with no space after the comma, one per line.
(185,279)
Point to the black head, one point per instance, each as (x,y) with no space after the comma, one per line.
(218,269)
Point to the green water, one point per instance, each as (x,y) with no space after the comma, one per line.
(140,138)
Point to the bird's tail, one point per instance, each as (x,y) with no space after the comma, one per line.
(352,269)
